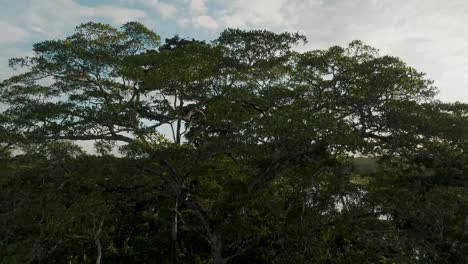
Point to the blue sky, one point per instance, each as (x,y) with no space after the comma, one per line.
(431,35)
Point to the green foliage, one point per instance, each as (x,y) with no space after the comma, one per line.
(276,156)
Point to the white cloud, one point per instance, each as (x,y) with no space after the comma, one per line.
(117,14)
(164,9)
(199,16)
(198,6)
(183,22)
(6,54)
(52,19)
(69,8)
(55,18)
(428,34)
(205,21)
(11,33)
(248,13)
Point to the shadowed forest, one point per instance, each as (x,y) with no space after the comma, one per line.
(238,150)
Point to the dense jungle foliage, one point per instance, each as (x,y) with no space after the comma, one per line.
(237,150)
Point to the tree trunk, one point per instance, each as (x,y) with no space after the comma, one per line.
(178,141)
(179,125)
(99,251)
(97,241)
(174,232)
(217,249)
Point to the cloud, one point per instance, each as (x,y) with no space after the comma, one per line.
(117,14)
(248,13)
(205,21)
(183,22)
(8,53)
(55,18)
(164,9)
(199,16)
(428,34)
(198,6)
(51,19)
(11,33)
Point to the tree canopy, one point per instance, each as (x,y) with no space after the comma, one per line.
(273,155)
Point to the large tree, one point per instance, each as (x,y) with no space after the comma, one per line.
(82,87)
(260,161)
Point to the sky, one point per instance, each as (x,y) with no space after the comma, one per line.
(430,35)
